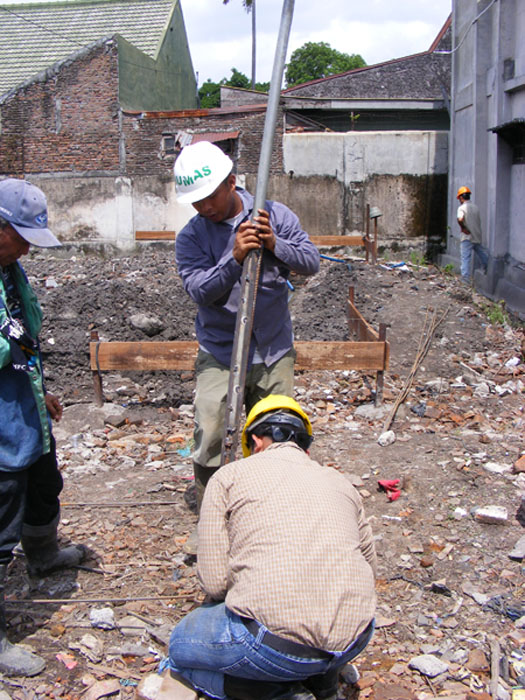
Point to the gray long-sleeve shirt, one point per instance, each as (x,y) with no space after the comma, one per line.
(212,277)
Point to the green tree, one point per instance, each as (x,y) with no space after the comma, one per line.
(210,92)
(238,79)
(318,60)
(249,6)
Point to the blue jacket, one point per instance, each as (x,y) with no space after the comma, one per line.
(212,277)
(25,427)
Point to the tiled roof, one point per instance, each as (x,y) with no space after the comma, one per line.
(35,36)
(421,75)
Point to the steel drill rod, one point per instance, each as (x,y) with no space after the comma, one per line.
(251,264)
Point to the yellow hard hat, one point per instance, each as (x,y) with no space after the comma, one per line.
(463,190)
(274,403)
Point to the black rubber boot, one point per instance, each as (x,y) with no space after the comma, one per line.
(43,554)
(246,689)
(14,660)
(202,476)
(323,686)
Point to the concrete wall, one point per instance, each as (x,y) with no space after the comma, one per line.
(488,92)
(105,211)
(333,176)
(328,181)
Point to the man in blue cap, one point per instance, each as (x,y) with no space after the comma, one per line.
(30,481)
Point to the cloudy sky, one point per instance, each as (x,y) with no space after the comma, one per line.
(379,30)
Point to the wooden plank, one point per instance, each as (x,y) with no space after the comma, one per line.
(144,356)
(359,325)
(180,355)
(154,235)
(320,241)
(333,241)
(344,354)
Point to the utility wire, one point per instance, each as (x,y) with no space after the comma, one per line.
(449,53)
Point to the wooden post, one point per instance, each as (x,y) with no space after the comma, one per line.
(97,377)
(352,322)
(374,249)
(367,230)
(380,377)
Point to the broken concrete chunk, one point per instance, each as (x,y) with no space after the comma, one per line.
(518,553)
(459,513)
(370,411)
(89,646)
(496,468)
(149,686)
(387,438)
(131,626)
(493,515)
(147,323)
(428,665)
(350,674)
(480,598)
(103,618)
(102,689)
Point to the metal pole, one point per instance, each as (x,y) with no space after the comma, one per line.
(250,268)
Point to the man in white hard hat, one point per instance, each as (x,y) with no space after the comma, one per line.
(30,481)
(469,221)
(210,251)
(287,556)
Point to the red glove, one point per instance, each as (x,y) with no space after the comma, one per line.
(391,488)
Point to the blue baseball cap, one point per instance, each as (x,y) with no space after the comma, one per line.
(24,206)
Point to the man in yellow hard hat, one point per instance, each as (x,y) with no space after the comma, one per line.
(286,556)
(469,221)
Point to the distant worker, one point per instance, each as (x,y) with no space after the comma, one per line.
(469,222)
(30,481)
(287,557)
(210,251)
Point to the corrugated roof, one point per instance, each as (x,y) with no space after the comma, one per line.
(215,136)
(35,36)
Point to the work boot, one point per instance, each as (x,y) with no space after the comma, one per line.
(202,476)
(14,660)
(247,689)
(43,554)
(324,685)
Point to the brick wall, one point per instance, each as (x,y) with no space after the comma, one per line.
(67,122)
(143,137)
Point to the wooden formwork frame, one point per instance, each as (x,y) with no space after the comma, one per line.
(369,353)
(369,244)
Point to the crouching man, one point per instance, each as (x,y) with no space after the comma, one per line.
(287,557)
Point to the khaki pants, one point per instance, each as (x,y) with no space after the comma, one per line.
(212,380)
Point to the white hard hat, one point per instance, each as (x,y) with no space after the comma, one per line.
(199,170)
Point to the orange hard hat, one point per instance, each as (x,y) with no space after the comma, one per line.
(463,190)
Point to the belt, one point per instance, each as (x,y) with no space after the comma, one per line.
(285,646)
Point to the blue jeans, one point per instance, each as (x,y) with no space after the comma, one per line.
(212,641)
(467,248)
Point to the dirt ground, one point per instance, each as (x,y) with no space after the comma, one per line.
(447,586)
